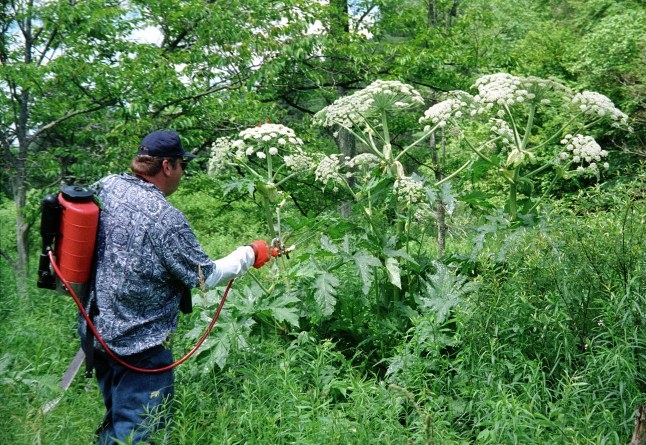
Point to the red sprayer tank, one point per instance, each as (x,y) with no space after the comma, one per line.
(75,244)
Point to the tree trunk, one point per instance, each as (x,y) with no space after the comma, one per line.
(639,433)
(20,194)
(440,210)
(347,147)
(339,28)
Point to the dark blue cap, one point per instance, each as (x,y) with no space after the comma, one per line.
(163,144)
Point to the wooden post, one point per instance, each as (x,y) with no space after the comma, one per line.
(639,433)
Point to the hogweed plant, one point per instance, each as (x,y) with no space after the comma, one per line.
(271,154)
(368,115)
(518,146)
(365,114)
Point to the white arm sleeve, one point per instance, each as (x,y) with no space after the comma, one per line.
(231,266)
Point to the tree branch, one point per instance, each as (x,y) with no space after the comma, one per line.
(7,257)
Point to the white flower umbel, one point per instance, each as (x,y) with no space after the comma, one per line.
(596,105)
(276,146)
(378,97)
(442,112)
(329,170)
(584,152)
(506,108)
(505,90)
(409,190)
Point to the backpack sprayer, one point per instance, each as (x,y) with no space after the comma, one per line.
(68,227)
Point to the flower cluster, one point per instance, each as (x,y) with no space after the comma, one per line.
(364,161)
(443,111)
(597,105)
(267,139)
(409,190)
(337,169)
(220,155)
(583,150)
(329,171)
(506,90)
(263,142)
(501,129)
(379,96)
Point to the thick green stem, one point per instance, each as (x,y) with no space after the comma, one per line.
(269,217)
(528,128)
(513,196)
(513,189)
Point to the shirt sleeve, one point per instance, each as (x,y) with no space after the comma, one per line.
(180,252)
(231,266)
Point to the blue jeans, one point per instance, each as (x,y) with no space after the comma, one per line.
(137,404)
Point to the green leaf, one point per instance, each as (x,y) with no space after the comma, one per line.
(325,292)
(328,245)
(365,263)
(392,266)
(282,311)
(444,290)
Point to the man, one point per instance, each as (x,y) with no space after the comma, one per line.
(147,257)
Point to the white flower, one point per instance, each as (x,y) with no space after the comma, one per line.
(298,161)
(409,190)
(365,161)
(221,154)
(597,105)
(381,95)
(273,151)
(506,90)
(585,150)
(450,108)
(328,170)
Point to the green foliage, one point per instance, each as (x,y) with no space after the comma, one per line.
(553,330)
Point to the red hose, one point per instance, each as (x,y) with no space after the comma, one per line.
(114,356)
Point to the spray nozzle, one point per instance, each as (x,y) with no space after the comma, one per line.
(278,248)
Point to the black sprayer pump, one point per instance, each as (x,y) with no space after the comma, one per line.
(50,222)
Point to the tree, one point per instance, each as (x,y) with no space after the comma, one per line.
(57,62)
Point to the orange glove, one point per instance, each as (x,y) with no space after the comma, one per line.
(261,250)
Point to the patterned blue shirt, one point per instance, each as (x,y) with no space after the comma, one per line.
(146,254)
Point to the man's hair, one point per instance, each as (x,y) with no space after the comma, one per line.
(150,165)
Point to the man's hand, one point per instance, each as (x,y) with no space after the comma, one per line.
(261,251)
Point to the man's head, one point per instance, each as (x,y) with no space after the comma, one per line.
(161,160)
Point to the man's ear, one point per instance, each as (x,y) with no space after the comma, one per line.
(167,167)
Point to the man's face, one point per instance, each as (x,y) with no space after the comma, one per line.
(174,172)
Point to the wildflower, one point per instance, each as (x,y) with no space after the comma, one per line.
(442,112)
(409,190)
(298,161)
(506,90)
(261,142)
(329,170)
(221,151)
(597,105)
(364,161)
(584,150)
(380,96)
(270,132)
(501,129)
